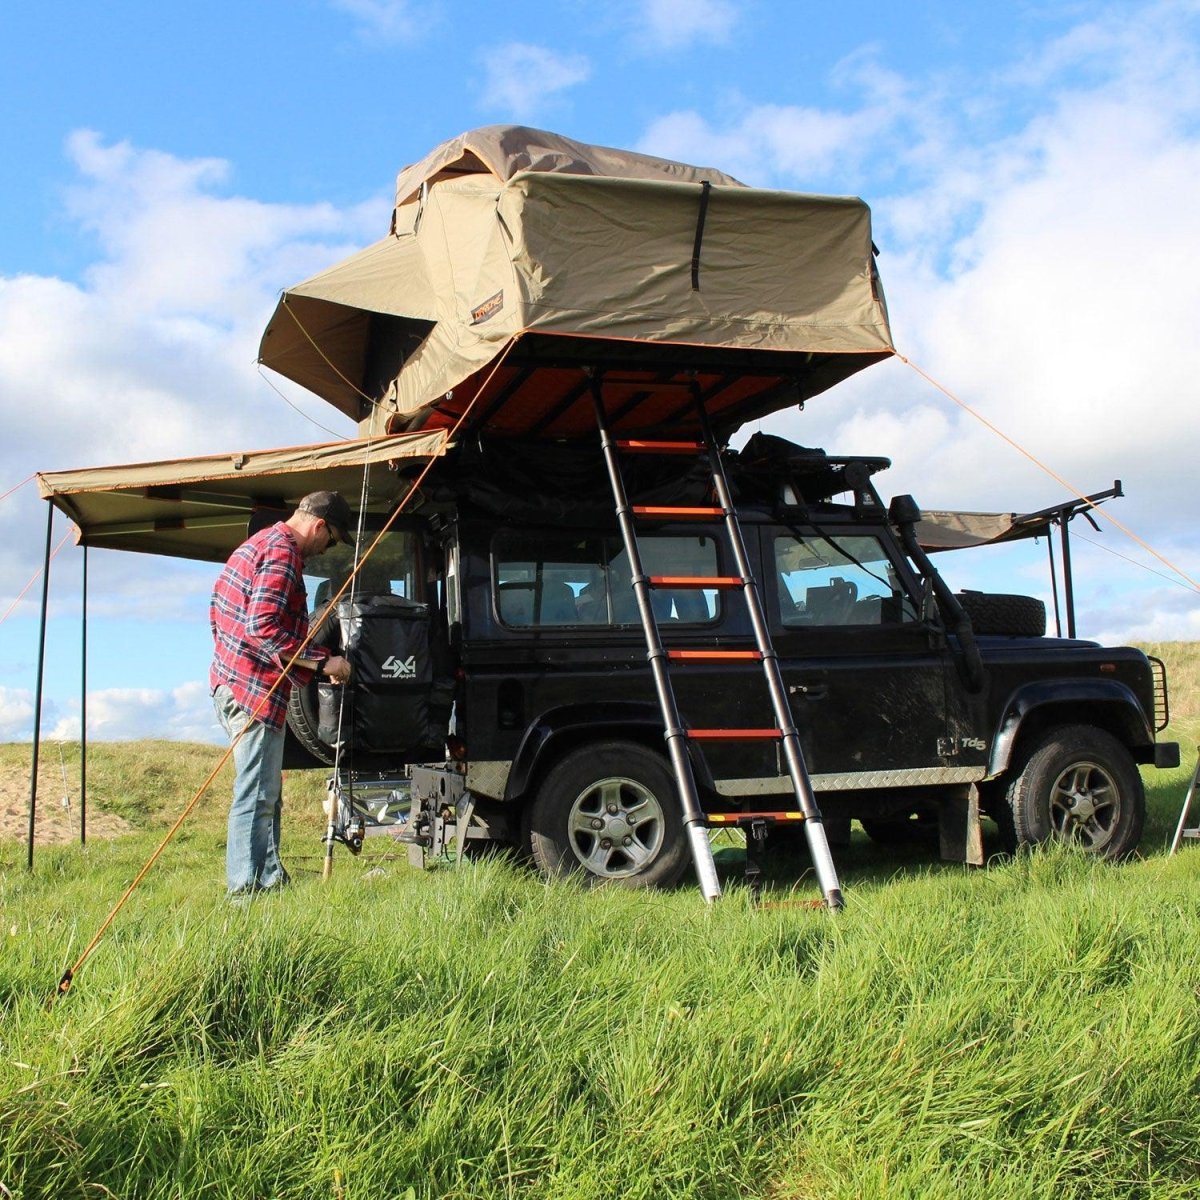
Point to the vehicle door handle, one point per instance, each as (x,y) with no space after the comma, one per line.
(810,691)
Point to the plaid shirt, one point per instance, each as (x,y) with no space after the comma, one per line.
(259,619)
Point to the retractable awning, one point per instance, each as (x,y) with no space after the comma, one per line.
(199,508)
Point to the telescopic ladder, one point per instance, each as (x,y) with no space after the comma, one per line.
(677,733)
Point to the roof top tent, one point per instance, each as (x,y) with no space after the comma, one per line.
(518,259)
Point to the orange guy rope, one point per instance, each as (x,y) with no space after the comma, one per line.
(68,976)
(34,577)
(1051,472)
(19,486)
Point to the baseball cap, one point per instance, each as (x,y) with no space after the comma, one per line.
(333,510)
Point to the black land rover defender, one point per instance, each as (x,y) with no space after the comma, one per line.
(501,668)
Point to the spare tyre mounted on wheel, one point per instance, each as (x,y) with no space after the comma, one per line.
(1000,614)
(398,700)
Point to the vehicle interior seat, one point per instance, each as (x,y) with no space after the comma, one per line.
(557,604)
(515,602)
(832,603)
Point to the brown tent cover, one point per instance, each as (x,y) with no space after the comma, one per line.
(518,258)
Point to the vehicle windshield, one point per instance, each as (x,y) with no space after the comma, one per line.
(839,580)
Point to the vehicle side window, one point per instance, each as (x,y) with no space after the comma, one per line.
(838,580)
(393,568)
(542,580)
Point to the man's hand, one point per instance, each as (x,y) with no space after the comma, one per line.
(337,669)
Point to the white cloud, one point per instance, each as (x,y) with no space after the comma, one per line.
(16,714)
(388,21)
(181,714)
(521,78)
(150,355)
(672,24)
(1045,278)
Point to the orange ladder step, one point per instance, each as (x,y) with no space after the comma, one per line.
(738,818)
(715,655)
(657,512)
(695,581)
(732,735)
(641,446)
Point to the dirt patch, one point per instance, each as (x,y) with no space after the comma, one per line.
(54,822)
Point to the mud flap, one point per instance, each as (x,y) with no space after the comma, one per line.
(959,830)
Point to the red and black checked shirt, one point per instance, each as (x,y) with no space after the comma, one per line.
(259,618)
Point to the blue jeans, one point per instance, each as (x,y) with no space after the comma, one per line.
(252,847)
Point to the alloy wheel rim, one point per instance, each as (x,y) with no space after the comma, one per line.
(1085,805)
(615,827)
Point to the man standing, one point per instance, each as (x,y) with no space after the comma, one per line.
(259,619)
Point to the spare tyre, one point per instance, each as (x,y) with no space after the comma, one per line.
(997,613)
(303,710)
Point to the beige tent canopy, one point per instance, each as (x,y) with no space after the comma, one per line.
(199,508)
(517,259)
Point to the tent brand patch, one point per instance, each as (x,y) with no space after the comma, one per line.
(488,309)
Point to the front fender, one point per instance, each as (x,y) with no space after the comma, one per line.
(1125,716)
(559,729)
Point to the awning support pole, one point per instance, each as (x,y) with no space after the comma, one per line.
(37,691)
(83,706)
(1068,583)
(1054,587)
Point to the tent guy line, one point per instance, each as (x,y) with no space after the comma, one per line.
(444,438)
(1037,462)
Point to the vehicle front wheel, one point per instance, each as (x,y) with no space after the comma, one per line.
(1078,785)
(609,814)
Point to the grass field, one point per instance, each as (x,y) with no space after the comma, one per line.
(1028,1030)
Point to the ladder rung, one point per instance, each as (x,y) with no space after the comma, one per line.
(656,512)
(733,735)
(640,446)
(737,818)
(715,655)
(696,581)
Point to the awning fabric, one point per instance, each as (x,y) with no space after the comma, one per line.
(518,259)
(199,508)
(961,530)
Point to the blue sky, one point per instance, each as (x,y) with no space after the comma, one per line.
(1033,168)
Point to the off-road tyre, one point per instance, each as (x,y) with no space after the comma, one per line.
(302,716)
(630,792)
(998,613)
(1079,785)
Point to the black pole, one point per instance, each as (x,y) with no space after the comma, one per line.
(1068,582)
(83,710)
(37,697)
(1054,587)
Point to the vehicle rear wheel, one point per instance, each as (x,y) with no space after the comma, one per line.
(609,814)
(1079,785)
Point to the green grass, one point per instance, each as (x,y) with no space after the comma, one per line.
(1028,1030)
